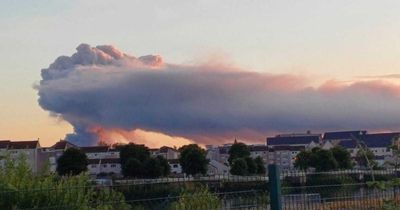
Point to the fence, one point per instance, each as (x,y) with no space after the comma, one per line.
(219,192)
(289,190)
(349,189)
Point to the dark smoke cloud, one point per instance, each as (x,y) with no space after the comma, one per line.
(104,87)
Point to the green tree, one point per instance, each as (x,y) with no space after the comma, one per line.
(72,162)
(239,167)
(132,168)
(343,157)
(251,166)
(365,158)
(260,165)
(303,159)
(131,150)
(193,159)
(156,167)
(238,150)
(325,161)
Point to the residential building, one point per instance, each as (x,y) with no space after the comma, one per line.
(284,155)
(104,166)
(168,153)
(16,149)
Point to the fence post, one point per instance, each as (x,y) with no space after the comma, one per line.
(274,187)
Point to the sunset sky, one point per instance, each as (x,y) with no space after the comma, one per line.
(314,52)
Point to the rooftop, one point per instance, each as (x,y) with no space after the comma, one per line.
(290,140)
(343,134)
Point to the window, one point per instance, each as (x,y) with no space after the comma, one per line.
(93,166)
(104,165)
(175,166)
(113,165)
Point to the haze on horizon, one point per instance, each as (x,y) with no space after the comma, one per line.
(342,53)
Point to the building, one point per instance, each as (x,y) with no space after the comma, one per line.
(284,155)
(47,156)
(103,160)
(109,166)
(22,149)
(337,136)
(216,168)
(168,153)
(378,143)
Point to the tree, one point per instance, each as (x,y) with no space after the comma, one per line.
(193,159)
(302,160)
(238,150)
(366,158)
(325,161)
(260,165)
(156,167)
(73,161)
(343,157)
(131,150)
(239,167)
(251,166)
(132,168)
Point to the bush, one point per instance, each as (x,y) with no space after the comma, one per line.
(20,188)
(203,199)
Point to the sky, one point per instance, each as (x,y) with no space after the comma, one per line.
(316,41)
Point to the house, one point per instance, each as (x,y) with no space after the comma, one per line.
(104,166)
(103,160)
(216,168)
(47,156)
(378,143)
(17,149)
(100,152)
(284,155)
(259,151)
(168,153)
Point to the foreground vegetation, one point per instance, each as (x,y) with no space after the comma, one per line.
(21,189)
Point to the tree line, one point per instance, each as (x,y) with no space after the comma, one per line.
(137,161)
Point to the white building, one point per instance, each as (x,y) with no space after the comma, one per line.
(17,149)
(104,166)
(168,153)
(284,156)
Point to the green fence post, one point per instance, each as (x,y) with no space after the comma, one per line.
(274,187)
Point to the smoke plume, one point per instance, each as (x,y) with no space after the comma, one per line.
(101,89)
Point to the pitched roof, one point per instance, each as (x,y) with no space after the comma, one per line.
(348,144)
(258,148)
(343,134)
(165,149)
(4,144)
(379,139)
(288,140)
(95,149)
(62,144)
(23,144)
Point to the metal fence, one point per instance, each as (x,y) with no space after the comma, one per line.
(349,189)
(344,190)
(218,192)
